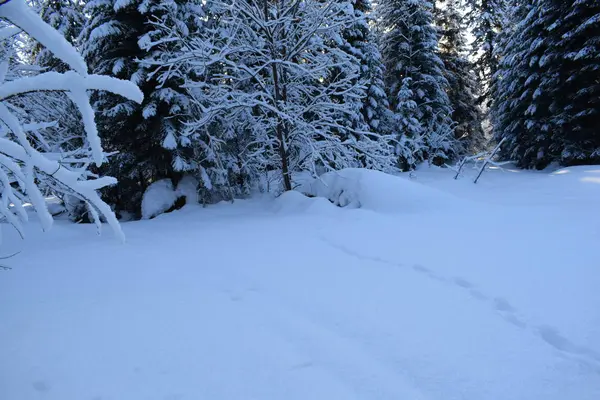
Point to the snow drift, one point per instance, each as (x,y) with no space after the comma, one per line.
(377,191)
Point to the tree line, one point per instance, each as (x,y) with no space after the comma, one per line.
(239,91)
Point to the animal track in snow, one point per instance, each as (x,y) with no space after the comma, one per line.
(504,309)
(478,295)
(502,305)
(40,386)
(463,283)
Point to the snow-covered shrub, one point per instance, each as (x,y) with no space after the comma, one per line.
(158,198)
(27,165)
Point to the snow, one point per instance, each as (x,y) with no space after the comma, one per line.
(377,191)
(31,166)
(188,188)
(70,80)
(19,13)
(158,198)
(433,289)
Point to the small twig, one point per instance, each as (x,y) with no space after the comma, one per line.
(3,267)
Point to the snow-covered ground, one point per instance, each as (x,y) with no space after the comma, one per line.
(471,292)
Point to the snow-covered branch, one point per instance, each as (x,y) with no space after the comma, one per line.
(32,156)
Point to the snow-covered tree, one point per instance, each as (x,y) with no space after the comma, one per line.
(575,59)
(410,146)
(409,48)
(371,104)
(463,88)
(67,17)
(146,139)
(485,18)
(269,80)
(31,162)
(548,88)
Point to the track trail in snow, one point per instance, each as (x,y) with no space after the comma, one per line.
(502,307)
(325,349)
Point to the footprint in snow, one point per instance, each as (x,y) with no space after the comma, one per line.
(502,305)
(555,339)
(515,321)
(40,386)
(422,269)
(478,295)
(463,283)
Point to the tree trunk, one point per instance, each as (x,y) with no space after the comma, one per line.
(281,128)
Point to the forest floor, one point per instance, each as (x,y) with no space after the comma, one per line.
(482,292)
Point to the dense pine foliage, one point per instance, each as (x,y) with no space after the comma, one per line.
(245,95)
(548,86)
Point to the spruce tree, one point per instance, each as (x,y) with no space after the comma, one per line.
(527,140)
(409,48)
(486,19)
(366,124)
(548,85)
(361,42)
(144,139)
(575,59)
(463,88)
(67,17)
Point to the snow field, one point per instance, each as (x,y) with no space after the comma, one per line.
(480,298)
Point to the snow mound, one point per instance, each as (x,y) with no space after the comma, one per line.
(188,188)
(585,174)
(158,198)
(55,206)
(581,182)
(377,191)
(293,202)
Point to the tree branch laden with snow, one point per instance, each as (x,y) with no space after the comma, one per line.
(27,161)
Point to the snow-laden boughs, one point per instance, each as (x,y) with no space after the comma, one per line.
(273,88)
(66,17)
(548,89)
(369,101)
(32,158)
(486,19)
(118,40)
(463,88)
(409,48)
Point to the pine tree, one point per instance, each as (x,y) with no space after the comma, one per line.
(410,146)
(370,104)
(486,18)
(409,48)
(67,17)
(575,59)
(146,139)
(548,85)
(463,89)
(527,141)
